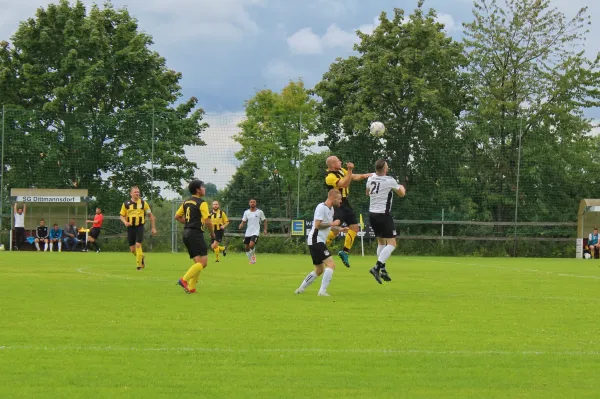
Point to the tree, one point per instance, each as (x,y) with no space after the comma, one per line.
(408,75)
(273,137)
(530,87)
(211,190)
(89,105)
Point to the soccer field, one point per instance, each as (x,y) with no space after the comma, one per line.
(87,325)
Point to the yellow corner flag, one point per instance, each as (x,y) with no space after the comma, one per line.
(361,224)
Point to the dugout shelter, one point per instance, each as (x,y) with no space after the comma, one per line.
(588,217)
(53,205)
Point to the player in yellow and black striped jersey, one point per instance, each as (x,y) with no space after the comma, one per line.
(195,217)
(339,178)
(220,222)
(133,215)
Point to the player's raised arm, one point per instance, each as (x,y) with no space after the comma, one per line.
(401,191)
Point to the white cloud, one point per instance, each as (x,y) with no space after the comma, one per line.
(334,8)
(305,41)
(166,21)
(216,160)
(447,20)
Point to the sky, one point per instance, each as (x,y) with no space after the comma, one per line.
(229,49)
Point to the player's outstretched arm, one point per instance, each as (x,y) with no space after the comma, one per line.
(401,191)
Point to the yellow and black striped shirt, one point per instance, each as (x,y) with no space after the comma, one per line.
(195,212)
(331,179)
(218,219)
(135,212)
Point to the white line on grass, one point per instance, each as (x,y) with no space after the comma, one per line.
(298,350)
(513,268)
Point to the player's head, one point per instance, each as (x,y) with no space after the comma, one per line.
(381,167)
(72,222)
(196,187)
(215,205)
(55,226)
(595,230)
(42,222)
(19,210)
(333,163)
(135,193)
(335,197)
(252,204)
(98,210)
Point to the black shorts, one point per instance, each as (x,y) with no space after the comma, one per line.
(193,240)
(135,234)
(247,240)
(95,232)
(345,214)
(218,236)
(383,225)
(319,252)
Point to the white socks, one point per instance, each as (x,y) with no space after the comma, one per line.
(385,254)
(327,275)
(249,255)
(379,249)
(312,276)
(37,246)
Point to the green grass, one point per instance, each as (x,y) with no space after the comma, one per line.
(87,325)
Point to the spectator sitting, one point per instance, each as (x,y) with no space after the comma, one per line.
(41,235)
(56,237)
(71,236)
(593,242)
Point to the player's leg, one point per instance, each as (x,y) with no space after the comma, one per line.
(59,242)
(46,245)
(36,242)
(352,222)
(194,242)
(338,214)
(247,248)
(252,245)
(317,261)
(378,228)
(327,275)
(140,258)
(389,237)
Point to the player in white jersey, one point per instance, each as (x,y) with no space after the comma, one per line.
(381,189)
(323,223)
(253,217)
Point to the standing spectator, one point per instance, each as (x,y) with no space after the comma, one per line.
(41,235)
(55,237)
(19,225)
(71,236)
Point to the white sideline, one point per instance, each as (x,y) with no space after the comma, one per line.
(299,350)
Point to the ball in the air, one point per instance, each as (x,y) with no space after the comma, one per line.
(377,129)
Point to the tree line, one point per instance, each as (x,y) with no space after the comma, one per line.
(476,126)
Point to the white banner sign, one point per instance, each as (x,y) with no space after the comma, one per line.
(26,198)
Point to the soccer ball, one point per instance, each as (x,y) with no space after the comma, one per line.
(377,129)
(1,247)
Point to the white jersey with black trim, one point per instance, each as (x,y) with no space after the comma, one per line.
(381,190)
(254,219)
(325,215)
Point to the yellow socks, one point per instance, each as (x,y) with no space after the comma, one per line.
(217,250)
(349,241)
(330,238)
(191,277)
(138,256)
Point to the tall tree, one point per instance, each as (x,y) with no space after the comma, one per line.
(273,137)
(89,105)
(530,83)
(408,75)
